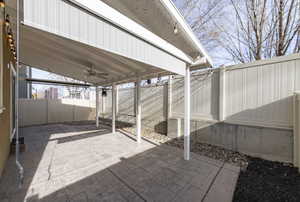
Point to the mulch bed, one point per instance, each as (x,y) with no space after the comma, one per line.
(267,181)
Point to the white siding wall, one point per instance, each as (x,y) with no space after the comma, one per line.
(66,20)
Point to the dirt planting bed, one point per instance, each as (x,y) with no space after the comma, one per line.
(267,181)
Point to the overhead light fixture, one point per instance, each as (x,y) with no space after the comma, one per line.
(104,93)
(2,4)
(7,22)
(175,29)
(158,79)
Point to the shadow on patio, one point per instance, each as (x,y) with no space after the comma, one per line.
(65,162)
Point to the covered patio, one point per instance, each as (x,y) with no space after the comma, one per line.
(94,43)
(79,162)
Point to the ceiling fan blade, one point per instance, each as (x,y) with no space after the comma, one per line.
(101,74)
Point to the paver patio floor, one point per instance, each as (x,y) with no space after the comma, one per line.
(82,163)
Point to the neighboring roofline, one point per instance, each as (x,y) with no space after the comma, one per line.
(116,18)
(170,6)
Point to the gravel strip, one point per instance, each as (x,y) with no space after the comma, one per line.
(214,152)
(148,134)
(211,151)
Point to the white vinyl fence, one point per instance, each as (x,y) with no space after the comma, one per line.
(154,108)
(204,96)
(43,111)
(154,99)
(255,94)
(261,93)
(296,155)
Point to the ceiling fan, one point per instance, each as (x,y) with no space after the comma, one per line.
(92,72)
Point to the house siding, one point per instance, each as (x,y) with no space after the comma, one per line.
(5,116)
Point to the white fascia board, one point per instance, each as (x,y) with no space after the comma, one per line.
(113,16)
(169,5)
(203,61)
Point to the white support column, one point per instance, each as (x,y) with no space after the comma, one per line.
(170,83)
(103,106)
(97,107)
(113,108)
(187,113)
(117,99)
(138,113)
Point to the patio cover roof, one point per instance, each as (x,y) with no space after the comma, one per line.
(71,37)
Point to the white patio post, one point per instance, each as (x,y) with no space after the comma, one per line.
(103,105)
(138,110)
(117,99)
(113,108)
(187,113)
(97,107)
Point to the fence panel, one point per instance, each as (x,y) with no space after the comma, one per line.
(260,93)
(126,102)
(42,111)
(205,96)
(154,101)
(32,112)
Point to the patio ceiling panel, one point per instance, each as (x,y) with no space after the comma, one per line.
(144,11)
(70,58)
(64,32)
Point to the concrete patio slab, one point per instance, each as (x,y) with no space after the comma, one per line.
(65,162)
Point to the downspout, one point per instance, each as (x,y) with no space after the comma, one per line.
(20,167)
